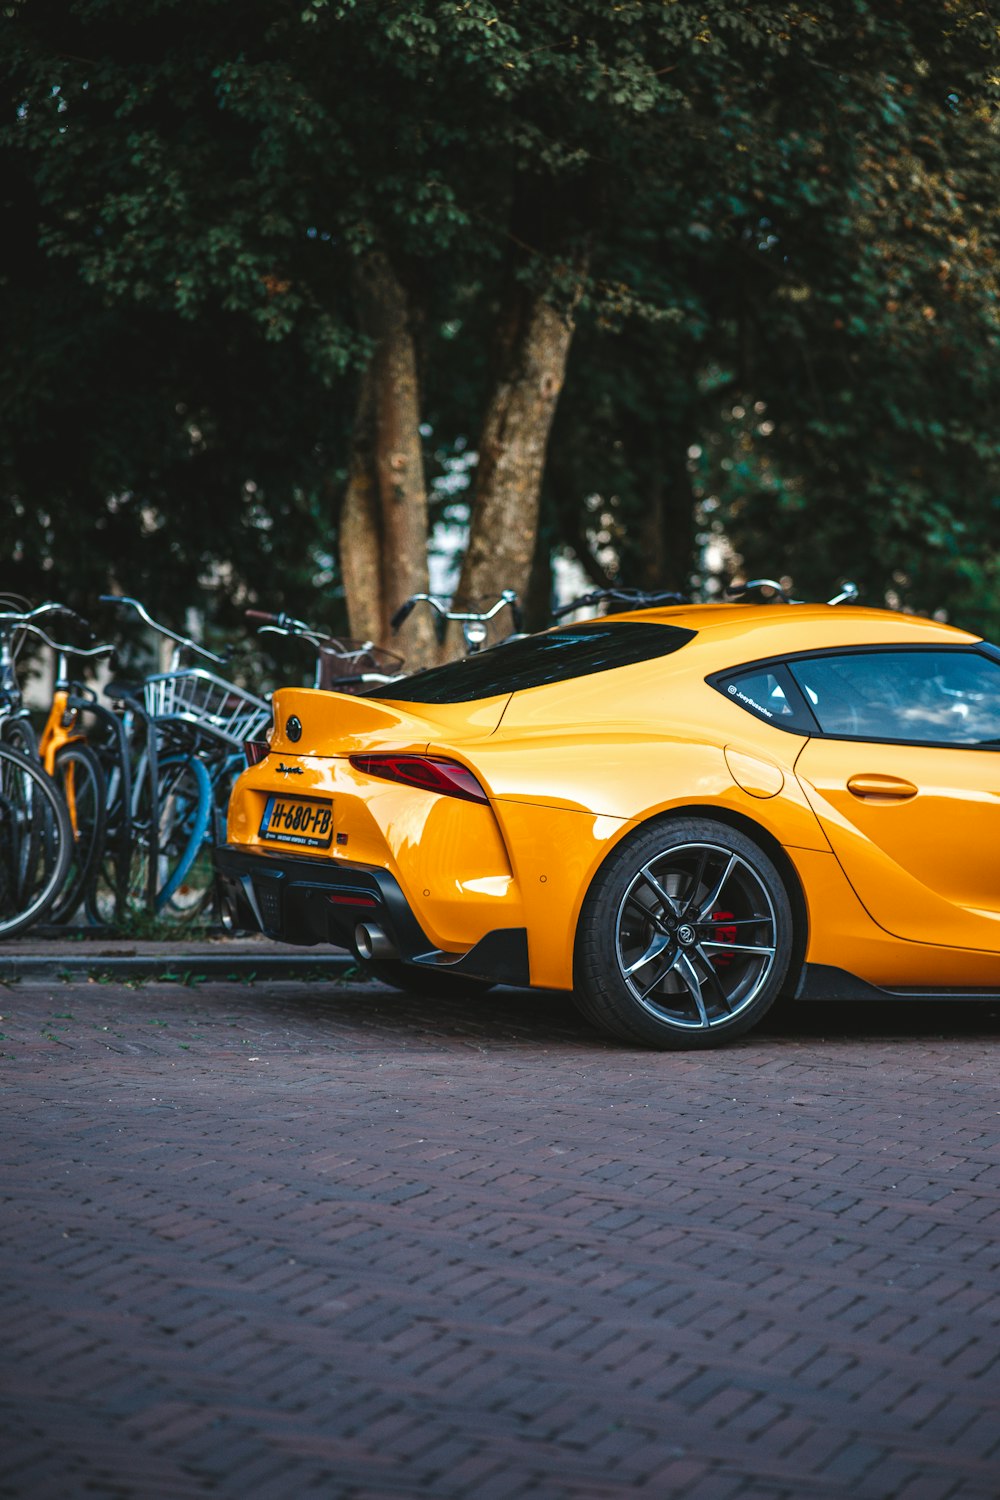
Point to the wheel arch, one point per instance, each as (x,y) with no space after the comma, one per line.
(764,840)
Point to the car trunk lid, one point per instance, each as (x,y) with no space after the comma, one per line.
(308,721)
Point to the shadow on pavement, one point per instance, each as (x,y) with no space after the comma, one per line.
(546,1017)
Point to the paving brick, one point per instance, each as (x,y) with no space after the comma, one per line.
(469,1249)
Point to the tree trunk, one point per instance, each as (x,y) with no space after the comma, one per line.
(675,502)
(666,531)
(536,602)
(535,342)
(386,506)
(359,536)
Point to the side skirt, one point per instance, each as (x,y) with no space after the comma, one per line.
(824,982)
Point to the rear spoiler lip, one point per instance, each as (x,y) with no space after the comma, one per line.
(341,724)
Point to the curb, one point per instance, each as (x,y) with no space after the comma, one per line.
(179,967)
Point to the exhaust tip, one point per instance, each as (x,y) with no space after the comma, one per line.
(227,915)
(371,942)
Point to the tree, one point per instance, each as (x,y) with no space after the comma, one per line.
(720,197)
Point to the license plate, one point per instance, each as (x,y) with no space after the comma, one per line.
(306,821)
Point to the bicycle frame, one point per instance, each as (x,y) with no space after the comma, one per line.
(69,700)
(11,698)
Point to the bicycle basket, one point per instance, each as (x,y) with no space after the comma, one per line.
(343,663)
(209,702)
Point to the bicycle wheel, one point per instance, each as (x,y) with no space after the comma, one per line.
(140,890)
(79,776)
(36,841)
(106,894)
(184,866)
(19,735)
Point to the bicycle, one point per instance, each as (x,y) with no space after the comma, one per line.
(474,623)
(36,835)
(78,771)
(342,665)
(15,625)
(200,723)
(93,775)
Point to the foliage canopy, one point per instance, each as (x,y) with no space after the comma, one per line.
(787,338)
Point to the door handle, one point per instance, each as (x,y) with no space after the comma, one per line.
(875,788)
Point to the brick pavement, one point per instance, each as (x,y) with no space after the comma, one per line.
(287,1240)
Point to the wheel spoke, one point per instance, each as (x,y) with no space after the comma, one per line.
(696,878)
(712,898)
(656,947)
(689,974)
(647,912)
(717,921)
(736,947)
(660,892)
(660,974)
(715,983)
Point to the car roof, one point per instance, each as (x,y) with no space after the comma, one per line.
(765,629)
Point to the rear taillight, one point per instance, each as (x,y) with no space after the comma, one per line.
(430,773)
(254,751)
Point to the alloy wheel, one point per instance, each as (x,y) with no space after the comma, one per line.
(696,936)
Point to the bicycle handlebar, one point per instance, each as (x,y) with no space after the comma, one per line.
(124,601)
(507,599)
(9,617)
(734,590)
(848,591)
(406,609)
(287,625)
(66,650)
(634,598)
(284,622)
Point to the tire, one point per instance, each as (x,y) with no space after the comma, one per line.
(35,842)
(19,735)
(140,889)
(685,937)
(185,877)
(80,779)
(430,982)
(106,896)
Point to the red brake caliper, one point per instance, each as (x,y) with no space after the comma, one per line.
(723,935)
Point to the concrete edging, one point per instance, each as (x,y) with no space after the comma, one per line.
(175,965)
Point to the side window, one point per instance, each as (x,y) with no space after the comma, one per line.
(924,697)
(769,694)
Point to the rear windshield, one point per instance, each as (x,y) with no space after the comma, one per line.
(535,660)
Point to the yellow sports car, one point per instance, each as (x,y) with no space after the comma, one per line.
(678,814)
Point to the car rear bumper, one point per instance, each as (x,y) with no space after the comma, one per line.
(300,900)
